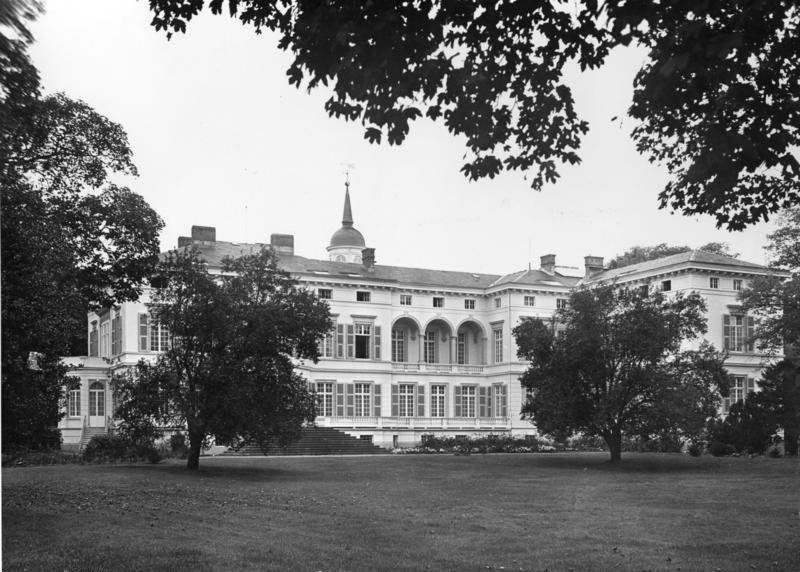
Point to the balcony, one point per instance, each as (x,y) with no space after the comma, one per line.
(438,367)
(418,423)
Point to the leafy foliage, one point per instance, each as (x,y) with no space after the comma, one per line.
(637,254)
(70,238)
(748,428)
(617,369)
(229,372)
(715,100)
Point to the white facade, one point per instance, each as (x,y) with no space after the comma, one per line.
(417,351)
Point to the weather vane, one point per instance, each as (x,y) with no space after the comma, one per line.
(347,168)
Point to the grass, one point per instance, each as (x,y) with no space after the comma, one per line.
(511,512)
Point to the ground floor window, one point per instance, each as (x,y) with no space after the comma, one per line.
(325,398)
(97,400)
(363,394)
(437,400)
(741,386)
(499,402)
(406,400)
(74,404)
(468,401)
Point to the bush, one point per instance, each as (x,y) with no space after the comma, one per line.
(720,449)
(119,447)
(177,445)
(695,449)
(465,445)
(746,429)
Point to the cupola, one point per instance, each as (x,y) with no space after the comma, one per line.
(347,242)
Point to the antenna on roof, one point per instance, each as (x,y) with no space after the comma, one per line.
(529,254)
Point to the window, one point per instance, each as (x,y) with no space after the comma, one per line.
(93,340)
(461,349)
(741,386)
(437,400)
(713,282)
(737,285)
(362,296)
(74,403)
(405,400)
(644,290)
(363,334)
(363,401)
(498,346)
(405,299)
(468,401)
(105,339)
(469,304)
(97,400)
(737,332)
(116,335)
(398,345)
(325,398)
(438,302)
(561,303)
(159,337)
(666,285)
(327,344)
(530,300)
(498,302)
(500,403)
(429,347)
(324,293)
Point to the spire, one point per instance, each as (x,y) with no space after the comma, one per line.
(347,216)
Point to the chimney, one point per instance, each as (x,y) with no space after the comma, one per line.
(592,264)
(184,241)
(282,243)
(368,258)
(203,234)
(548,263)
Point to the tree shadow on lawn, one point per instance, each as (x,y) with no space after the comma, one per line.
(254,472)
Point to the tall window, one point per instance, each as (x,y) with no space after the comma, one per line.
(105,339)
(713,282)
(461,348)
(74,403)
(363,336)
(405,299)
(93,340)
(437,400)
(324,293)
(159,337)
(468,401)
(438,302)
(363,401)
(530,300)
(741,386)
(325,398)
(362,296)
(498,345)
(327,344)
(499,403)
(737,331)
(398,345)
(406,400)
(469,304)
(430,347)
(116,335)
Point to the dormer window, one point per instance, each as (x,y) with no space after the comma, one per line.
(324,293)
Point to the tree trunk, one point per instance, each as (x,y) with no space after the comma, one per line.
(195,444)
(614,441)
(790,437)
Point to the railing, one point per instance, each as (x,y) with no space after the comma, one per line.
(438,367)
(416,422)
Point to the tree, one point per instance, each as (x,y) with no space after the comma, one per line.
(637,254)
(614,367)
(229,372)
(775,303)
(714,102)
(71,239)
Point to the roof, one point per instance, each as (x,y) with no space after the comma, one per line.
(689,257)
(533,277)
(347,236)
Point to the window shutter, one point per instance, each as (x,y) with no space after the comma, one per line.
(750,341)
(395,400)
(377,342)
(350,400)
(482,402)
(340,400)
(504,404)
(489,400)
(421,401)
(340,341)
(143,329)
(457,401)
(376,400)
(750,387)
(727,343)
(350,341)
(93,344)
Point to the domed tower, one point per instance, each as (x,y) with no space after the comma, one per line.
(346,243)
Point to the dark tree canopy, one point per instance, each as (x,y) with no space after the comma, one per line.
(715,101)
(617,369)
(229,372)
(71,239)
(637,254)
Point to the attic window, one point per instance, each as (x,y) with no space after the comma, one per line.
(362,296)
(666,285)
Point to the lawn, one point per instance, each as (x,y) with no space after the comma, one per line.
(492,512)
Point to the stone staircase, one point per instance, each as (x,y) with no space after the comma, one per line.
(90,432)
(317,441)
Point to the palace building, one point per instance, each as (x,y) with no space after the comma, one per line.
(415,350)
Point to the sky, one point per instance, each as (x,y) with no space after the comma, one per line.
(221,139)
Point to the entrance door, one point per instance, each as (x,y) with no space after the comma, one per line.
(97,405)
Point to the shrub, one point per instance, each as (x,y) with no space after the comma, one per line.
(177,445)
(119,447)
(695,449)
(720,449)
